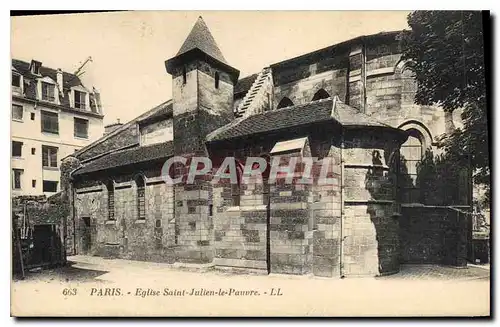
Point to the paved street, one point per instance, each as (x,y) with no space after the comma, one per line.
(153,289)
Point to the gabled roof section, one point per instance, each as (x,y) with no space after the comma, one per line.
(201,38)
(128,157)
(162,109)
(325,110)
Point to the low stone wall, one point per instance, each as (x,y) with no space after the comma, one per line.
(433,235)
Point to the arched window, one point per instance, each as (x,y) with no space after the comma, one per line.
(321,94)
(140,195)
(111,199)
(184,75)
(285,102)
(411,153)
(217,80)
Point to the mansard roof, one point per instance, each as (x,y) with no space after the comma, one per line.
(23,68)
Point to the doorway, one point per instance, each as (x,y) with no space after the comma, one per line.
(86,235)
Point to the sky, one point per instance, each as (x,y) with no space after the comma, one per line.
(128,49)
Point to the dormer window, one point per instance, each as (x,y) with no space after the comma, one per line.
(80,100)
(48,92)
(35,67)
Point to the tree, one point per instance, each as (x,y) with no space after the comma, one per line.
(445,50)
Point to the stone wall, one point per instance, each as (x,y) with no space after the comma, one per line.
(433,235)
(240,231)
(357,74)
(194,227)
(391,89)
(326,216)
(127,236)
(371,244)
(303,90)
(369,77)
(290,236)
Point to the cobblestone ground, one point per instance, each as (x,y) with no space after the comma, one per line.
(416,291)
(435,272)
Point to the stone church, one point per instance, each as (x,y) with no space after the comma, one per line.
(351,103)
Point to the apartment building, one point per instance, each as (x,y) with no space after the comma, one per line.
(53,115)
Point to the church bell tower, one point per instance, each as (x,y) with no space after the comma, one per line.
(202,94)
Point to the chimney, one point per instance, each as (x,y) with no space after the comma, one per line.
(95,104)
(60,80)
(111,127)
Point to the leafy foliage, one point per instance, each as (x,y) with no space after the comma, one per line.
(445,50)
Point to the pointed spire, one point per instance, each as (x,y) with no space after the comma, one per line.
(201,38)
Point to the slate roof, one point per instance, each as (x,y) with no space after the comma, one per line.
(128,157)
(201,38)
(299,115)
(162,110)
(244,84)
(274,120)
(23,68)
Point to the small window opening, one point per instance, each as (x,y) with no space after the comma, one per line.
(285,102)
(184,75)
(217,80)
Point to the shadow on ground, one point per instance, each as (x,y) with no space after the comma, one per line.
(70,272)
(426,272)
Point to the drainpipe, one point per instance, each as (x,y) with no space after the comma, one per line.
(341,257)
(72,209)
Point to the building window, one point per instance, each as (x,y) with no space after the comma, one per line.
(111,200)
(50,122)
(411,154)
(184,75)
(33,183)
(80,100)
(321,94)
(17,112)
(17,149)
(16,80)
(16,178)
(32,115)
(285,102)
(49,156)
(35,67)
(141,201)
(81,128)
(33,150)
(217,80)
(50,186)
(48,92)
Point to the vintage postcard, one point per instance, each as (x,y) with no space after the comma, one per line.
(250,163)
